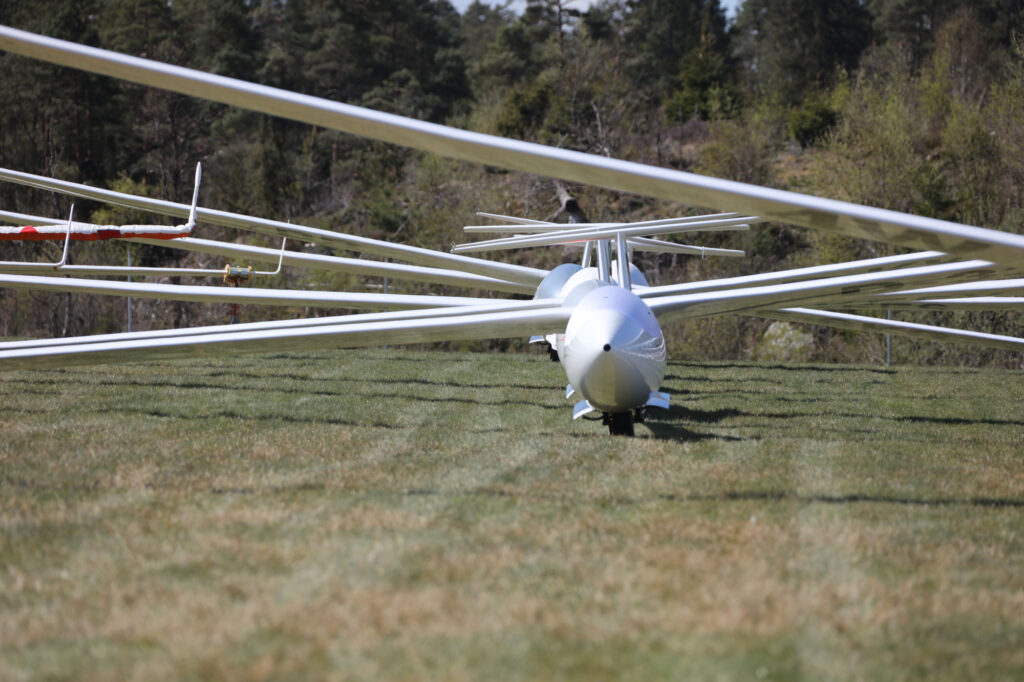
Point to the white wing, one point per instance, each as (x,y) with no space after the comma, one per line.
(89,232)
(807,292)
(431,328)
(861,323)
(974,289)
(977,304)
(756,294)
(900,263)
(902,229)
(313,261)
(402,252)
(247,295)
(289,325)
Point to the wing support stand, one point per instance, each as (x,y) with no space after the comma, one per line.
(67,241)
(195,199)
(47,266)
(280,262)
(236,275)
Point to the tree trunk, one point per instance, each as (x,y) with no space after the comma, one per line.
(570,205)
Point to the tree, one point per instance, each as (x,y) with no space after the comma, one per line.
(659,33)
(790,47)
(478,27)
(518,53)
(914,23)
(705,86)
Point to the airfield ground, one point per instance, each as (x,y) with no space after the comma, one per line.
(394,514)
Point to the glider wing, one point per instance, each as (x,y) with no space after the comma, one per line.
(902,229)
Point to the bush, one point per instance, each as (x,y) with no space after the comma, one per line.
(811,122)
(524,110)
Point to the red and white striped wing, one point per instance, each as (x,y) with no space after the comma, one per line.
(87,232)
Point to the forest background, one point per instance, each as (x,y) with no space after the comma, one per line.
(912,105)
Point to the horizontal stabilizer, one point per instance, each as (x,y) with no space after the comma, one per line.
(525,225)
(574,234)
(659,246)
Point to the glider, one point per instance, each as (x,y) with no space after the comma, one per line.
(600,317)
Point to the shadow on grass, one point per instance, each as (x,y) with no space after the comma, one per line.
(708,380)
(230,414)
(689,414)
(725,496)
(169,383)
(665,430)
(503,491)
(250,490)
(958,421)
(385,380)
(341,394)
(851,498)
(669,424)
(785,368)
(673,423)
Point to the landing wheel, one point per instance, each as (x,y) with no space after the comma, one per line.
(620,423)
(552,353)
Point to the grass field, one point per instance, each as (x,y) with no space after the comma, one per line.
(395,514)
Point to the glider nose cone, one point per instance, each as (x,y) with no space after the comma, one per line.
(613,361)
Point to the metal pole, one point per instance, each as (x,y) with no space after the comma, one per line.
(129,298)
(622,260)
(588,250)
(888,340)
(604,252)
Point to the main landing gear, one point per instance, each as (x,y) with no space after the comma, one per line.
(621,423)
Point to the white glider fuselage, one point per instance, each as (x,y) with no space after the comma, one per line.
(613,349)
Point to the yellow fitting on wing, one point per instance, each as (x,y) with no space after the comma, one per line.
(234,274)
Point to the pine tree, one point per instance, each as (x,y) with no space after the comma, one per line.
(659,33)
(791,47)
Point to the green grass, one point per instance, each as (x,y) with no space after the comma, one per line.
(398,515)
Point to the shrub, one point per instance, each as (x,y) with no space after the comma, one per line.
(811,122)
